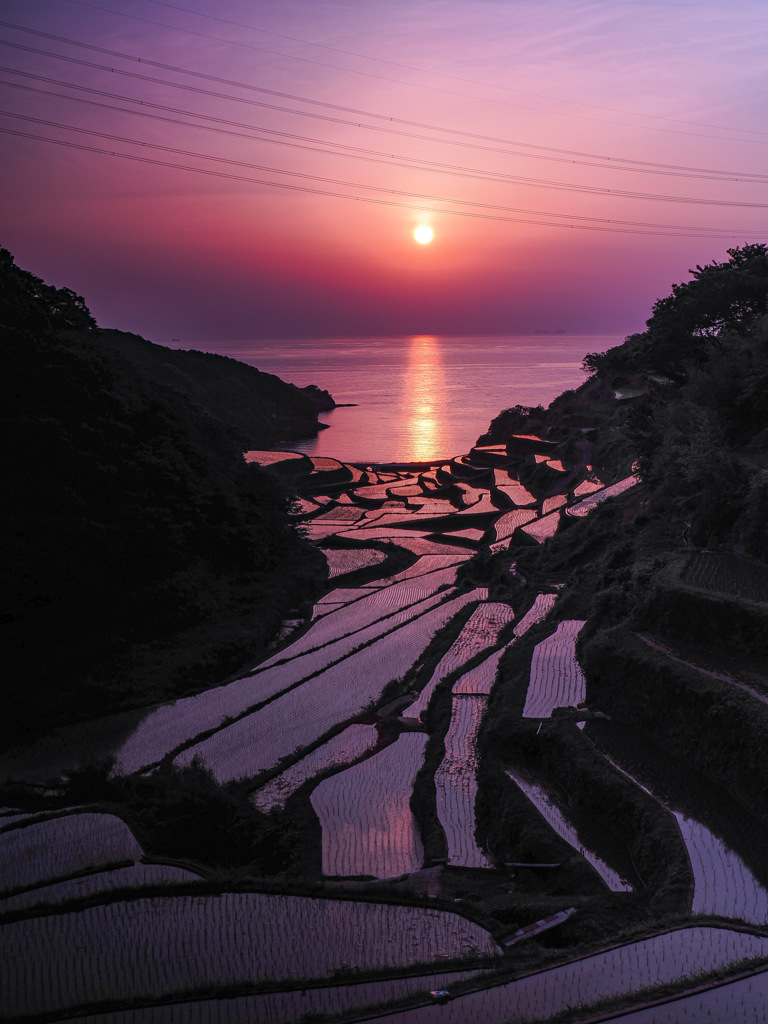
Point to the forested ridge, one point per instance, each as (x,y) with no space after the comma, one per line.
(134,530)
(687,401)
(671,578)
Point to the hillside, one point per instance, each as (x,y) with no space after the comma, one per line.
(136,528)
(671,578)
(686,399)
(513,759)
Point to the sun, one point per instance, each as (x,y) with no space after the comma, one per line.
(423,234)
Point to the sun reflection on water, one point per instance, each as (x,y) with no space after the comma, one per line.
(423,395)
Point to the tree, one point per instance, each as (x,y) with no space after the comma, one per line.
(721,297)
(29,303)
(723,303)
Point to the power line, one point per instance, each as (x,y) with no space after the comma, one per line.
(362,199)
(390,160)
(616,162)
(583,220)
(410,67)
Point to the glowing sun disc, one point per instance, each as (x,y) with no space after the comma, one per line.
(423,234)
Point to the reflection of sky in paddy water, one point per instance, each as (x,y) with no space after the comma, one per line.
(422,397)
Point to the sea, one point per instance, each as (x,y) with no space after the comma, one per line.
(419,398)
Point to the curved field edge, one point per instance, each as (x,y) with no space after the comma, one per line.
(611,815)
(685,711)
(600,1009)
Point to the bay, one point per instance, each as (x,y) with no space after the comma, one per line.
(420,398)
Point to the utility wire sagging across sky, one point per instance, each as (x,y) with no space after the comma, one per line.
(347,134)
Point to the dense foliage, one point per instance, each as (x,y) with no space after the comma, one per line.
(701,432)
(681,558)
(135,530)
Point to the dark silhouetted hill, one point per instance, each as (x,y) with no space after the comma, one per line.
(143,556)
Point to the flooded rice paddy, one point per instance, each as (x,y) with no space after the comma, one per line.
(456,783)
(723,884)
(343,749)
(62,846)
(148,948)
(621,971)
(331,729)
(555,817)
(368,826)
(556,679)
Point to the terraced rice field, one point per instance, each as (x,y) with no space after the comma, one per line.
(556,680)
(342,749)
(137,877)
(668,958)
(341,561)
(471,534)
(336,599)
(49,850)
(557,820)
(304,507)
(539,610)
(470,495)
(485,504)
(432,506)
(587,487)
(506,524)
(480,679)
(282,1007)
(317,532)
(325,465)
(166,946)
(374,614)
(11,815)
(723,884)
(339,513)
(412,490)
(556,501)
(480,631)
(421,567)
(585,506)
(264,458)
(544,528)
(500,545)
(302,716)
(375,604)
(301,710)
(712,673)
(512,488)
(374,492)
(456,783)
(736,1002)
(364,812)
(728,574)
(411,540)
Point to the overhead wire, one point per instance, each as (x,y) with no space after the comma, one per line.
(391,160)
(410,67)
(623,163)
(361,185)
(605,226)
(311,144)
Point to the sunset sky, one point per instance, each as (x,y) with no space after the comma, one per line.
(572,158)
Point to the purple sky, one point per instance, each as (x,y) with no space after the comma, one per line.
(354,105)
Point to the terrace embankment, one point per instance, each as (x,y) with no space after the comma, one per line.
(719,729)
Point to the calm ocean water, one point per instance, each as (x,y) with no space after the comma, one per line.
(421,397)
